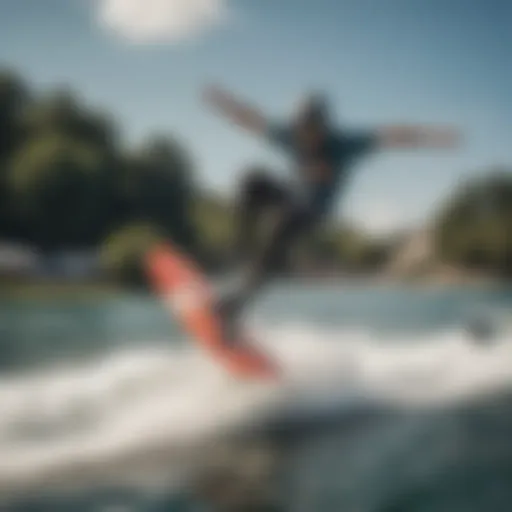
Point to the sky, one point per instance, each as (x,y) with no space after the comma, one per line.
(381,61)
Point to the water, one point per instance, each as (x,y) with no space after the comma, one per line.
(386,404)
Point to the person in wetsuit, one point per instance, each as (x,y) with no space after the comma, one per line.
(323,156)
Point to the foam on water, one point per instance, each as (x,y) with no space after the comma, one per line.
(144,412)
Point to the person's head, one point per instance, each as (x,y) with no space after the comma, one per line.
(312,120)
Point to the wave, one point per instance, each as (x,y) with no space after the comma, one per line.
(148,414)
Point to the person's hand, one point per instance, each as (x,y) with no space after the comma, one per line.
(227,104)
(411,136)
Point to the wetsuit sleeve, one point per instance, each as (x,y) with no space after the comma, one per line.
(279,136)
(363,142)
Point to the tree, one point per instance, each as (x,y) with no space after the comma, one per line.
(346,247)
(62,113)
(158,187)
(14,98)
(474,228)
(214,225)
(123,253)
(58,187)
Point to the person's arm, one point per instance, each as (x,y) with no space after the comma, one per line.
(406,136)
(234,109)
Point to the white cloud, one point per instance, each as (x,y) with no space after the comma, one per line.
(154,21)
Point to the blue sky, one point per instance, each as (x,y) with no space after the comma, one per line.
(382,61)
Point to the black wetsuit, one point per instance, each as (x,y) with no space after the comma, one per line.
(298,208)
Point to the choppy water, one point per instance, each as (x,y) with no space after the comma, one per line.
(386,404)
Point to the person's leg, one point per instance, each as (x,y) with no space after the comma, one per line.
(258,191)
(290,224)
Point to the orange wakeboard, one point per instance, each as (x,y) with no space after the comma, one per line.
(187,294)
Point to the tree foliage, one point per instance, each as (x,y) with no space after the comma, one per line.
(57,186)
(159,187)
(61,112)
(66,182)
(123,252)
(14,98)
(214,222)
(474,228)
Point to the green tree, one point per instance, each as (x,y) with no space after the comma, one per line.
(62,113)
(14,98)
(58,187)
(474,228)
(123,252)
(60,183)
(345,247)
(214,224)
(159,188)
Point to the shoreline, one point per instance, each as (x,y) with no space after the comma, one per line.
(23,288)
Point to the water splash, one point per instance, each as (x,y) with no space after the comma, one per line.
(137,415)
